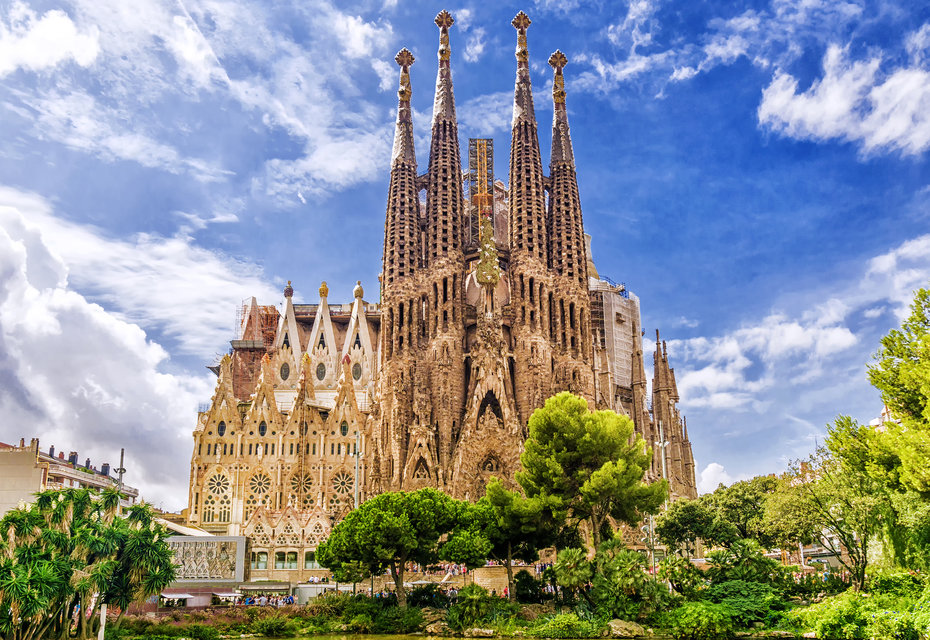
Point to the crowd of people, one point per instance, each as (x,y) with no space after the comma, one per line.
(265,600)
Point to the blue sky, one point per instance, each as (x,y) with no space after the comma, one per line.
(755,171)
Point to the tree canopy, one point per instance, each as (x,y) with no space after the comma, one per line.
(392,529)
(69,546)
(588,464)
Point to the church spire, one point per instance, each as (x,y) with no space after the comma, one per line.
(445,200)
(403,133)
(527,197)
(566,230)
(401,238)
(561,140)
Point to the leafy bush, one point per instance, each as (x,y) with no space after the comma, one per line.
(526,588)
(748,601)
(701,621)
(274,626)
(681,573)
(838,617)
(744,560)
(361,623)
(898,583)
(199,631)
(566,625)
(398,620)
(892,625)
(427,595)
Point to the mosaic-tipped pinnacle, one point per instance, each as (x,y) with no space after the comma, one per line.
(444,19)
(404,58)
(521,21)
(558,60)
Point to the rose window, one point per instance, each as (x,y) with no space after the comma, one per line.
(218,484)
(301,484)
(342,482)
(260,483)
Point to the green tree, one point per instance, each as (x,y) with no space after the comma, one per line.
(742,506)
(589,465)
(686,521)
(572,569)
(902,374)
(392,529)
(515,526)
(69,549)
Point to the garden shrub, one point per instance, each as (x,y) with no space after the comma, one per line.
(274,626)
(838,618)
(748,601)
(361,623)
(681,573)
(891,625)
(566,625)
(701,621)
(898,583)
(200,631)
(526,588)
(398,620)
(427,595)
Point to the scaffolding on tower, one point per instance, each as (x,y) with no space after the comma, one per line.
(480,186)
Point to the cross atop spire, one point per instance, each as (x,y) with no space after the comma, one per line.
(561,139)
(558,60)
(404,58)
(520,23)
(444,19)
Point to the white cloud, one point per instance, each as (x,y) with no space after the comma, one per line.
(81,378)
(740,369)
(853,101)
(487,113)
(158,283)
(36,43)
(474,45)
(713,475)
(79,121)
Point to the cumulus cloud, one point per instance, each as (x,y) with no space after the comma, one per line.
(855,101)
(158,57)
(714,475)
(34,43)
(81,378)
(738,370)
(158,283)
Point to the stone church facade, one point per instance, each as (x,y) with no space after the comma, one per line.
(489,304)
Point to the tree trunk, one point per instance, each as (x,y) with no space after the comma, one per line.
(510,593)
(122,612)
(397,572)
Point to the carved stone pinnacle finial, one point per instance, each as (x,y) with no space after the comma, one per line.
(404,58)
(324,290)
(444,19)
(521,21)
(558,60)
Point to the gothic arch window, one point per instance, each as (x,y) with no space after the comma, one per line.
(317,533)
(490,402)
(259,488)
(221,428)
(344,428)
(421,472)
(358,341)
(225,509)
(490,465)
(209,509)
(262,428)
(287,343)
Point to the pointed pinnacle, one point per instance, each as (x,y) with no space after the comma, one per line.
(557,60)
(404,58)
(521,22)
(444,19)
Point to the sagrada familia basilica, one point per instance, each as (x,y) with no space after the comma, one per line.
(489,304)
